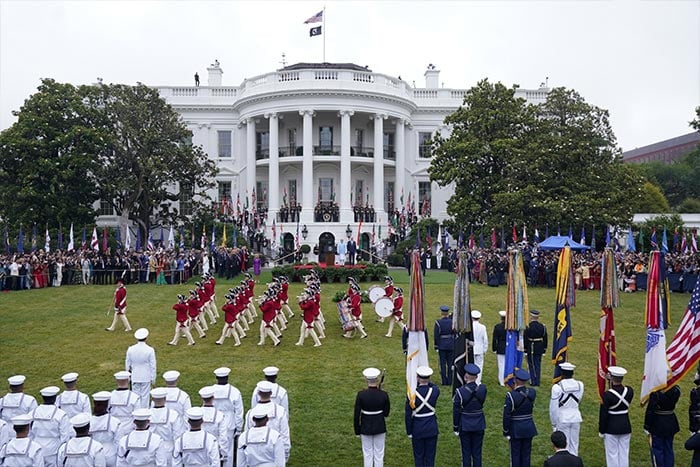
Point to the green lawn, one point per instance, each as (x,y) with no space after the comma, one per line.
(48,332)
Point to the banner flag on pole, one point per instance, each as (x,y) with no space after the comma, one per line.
(119,237)
(462,321)
(565,299)
(517,314)
(416,350)
(104,239)
(609,299)
(71,240)
(138,238)
(127,237)
(313,32)
(223,237)
(171,238)
(684,350)
(47,240)
(150,244)
(317,18)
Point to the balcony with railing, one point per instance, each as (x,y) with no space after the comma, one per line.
(321,150)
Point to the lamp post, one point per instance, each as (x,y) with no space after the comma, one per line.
(304,232)
(348,232)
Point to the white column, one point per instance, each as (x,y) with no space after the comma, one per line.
(274,168)
(250,158)
(400,162)
(307,170)
(378,182)
(346,215)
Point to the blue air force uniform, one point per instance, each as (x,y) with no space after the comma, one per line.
(444,344)
(468,418)
(421,422)
(518,423)
(661,422)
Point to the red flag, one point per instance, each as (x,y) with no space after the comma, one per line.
(359,230)
(684,350)
(104,239)
(606,348)
(515,235)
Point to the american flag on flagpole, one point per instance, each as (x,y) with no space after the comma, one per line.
(94,243)
(684,350)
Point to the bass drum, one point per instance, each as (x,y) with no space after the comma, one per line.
(375,293)
(384,307)
(345,316)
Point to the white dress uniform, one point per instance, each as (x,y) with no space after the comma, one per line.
(106,430)
(5,430)
(228,400)
(196,449)
(277,420)
(121,405)
(260,447)
(564,411)
(481,343)
(141,362)
(141,447)
(81,452)
(178,400)
(167,424)
(16,403)
(51,427)
(279,396)
(214,423)
(21,452)
(73,403)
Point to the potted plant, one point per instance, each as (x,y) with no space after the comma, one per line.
(305,249)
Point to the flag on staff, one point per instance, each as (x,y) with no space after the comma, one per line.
(47,240)
(104,238)
(684,243)
(515,235)
(416,351)
(609,299)
(34,237)
(664,242)
(694,241)
(223,237)
(203,239)
(471,241)
(60,237)
(462,321)
(138,238)
(684,350)
(631,246)
(317,18)
(20,240)
(524,234)
(83,245)
(94,242)
(119,237)
(313,32)
(182,238)
(494,243)
(149,245)
(654,244)
(212,245)
(359,231)
(676,242)
(517,314)
(6,241)
(565,299)
(127,238)
(656,367)
(171,238)
(537,236)
(71,242)
(571,232)
(503,239)
(481,240)
(583,236)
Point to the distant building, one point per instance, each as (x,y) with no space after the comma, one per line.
(667,151)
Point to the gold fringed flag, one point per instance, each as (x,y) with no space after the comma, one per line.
(565,299)
(609,299)
(517,314)
(462,321)
(416,351)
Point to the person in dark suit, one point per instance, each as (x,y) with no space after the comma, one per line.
(518,424)
(371,408)
(352,251)
(561,457)
(498,345)
(421,422)
(693,444)
(443,341)
(661,423)
(613,421)
(694,406)
(468,418)
(535,340)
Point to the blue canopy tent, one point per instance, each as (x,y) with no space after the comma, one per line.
(557,242)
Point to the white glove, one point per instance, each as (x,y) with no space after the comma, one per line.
(601,435)
(554,429)
(646,432)
(456,433)
(507,438)
(410,436)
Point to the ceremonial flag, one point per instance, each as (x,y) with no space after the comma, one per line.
(317,18)
(171,238)
(127,238)
(104,239)
(471,240)
(6,241)
(182,237)
(447,240)
(631,246)
(694,241)
(524,234)
(149,242)
(34,237)
(609,299)
(481,240)
(654,244)
(656,367)
(223,237)
(675,240)
(462,321)
(402,206)
(20,240)
(537,236)
(517,314)
(460,240)
(138,238)
(416,351)
(571,232)
(494,242)
(359,230)
(203,239)
(212,245)
(565,299)
(593,239)
(71,243)
(119,237)
(583,236)
(60,237)
(515,235)
(684,350)
(664,242)
(83,245)
(253,202)
(161,243)
(684,243)
(607,236)
(47,240)
(503,239)
(94,242)
(429,239)
(238,202)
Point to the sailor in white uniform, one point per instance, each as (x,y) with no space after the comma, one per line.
(279,394)
(564,410)
(21,451)
(81,451)
(276,415)
(141,447)
(177,399)
(260,445)
(213,421)
(228,400)
(51,427)
(106,428)
(141,362)
(16,402)
(196,447)
(165,422)
(71,400)
(123,401)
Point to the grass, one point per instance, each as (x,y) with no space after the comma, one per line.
(48,332)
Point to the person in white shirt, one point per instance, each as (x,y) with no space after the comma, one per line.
(123,401)
(81,450)
(279,393)
(141,447)
(5,430)
(50,427)
(260,445)
(165,422)
(141,362)
(564,410)
(16,402)
(196,446)
(71,400)
(276,415)
(21,451)
(481,343)
(177,399)
(105,428)
(228,400)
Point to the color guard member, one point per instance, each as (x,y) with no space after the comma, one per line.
(614,421)
(421,421)
(518,424)
(468,416)
(564,410)
(371,408)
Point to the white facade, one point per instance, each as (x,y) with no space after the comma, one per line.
(337,132)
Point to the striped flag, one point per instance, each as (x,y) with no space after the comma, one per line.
(462,321)
(609,299)
(104,239)
(94,242)
(517,314)
(656,367)
(71,240)
(566,298)
(203,239)
(47,240)
(171,238)
(416,351)
(149,241)
(684,350)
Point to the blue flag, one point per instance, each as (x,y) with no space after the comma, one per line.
(20,240)
(119,237)
(607,236)
(138,238)
(182,238)
(664,242)
(460,240)
(593,239)
(630,241)
(513,356)
(654,243)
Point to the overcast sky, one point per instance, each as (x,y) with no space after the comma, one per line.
(638,59)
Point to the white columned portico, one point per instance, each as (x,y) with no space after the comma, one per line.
(274,169)
(400,162)
(307,169)
(250,158)
(378,182)
(346,214)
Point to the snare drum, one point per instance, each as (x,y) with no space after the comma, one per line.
(375,293)
(345,316)
(384,307)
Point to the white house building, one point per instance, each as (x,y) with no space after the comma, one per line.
(327,137)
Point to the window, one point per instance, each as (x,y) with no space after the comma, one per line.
(106,208)
(359,142)
(186,194)
(224,144)
(325,139)
(224,191)
(359,192)
(423,145)
(292,191)
(261,195)
(389,196)
(389,152)
(424,199)
(292,141)
(325,189)
(262,145)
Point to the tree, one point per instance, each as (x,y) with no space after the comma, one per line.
(513,163)
(47,156)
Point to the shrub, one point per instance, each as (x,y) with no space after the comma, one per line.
(395,259)
(305,249)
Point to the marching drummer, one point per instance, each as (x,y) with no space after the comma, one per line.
(388,292)
(355,305)
(309,309)
(397,313)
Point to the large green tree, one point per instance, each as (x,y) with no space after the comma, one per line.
(513,163)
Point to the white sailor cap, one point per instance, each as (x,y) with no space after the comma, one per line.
(159,393)
(502,313)
(260,411)
(617,371)
(371,373)
(141,414)
(80,419)
(50,391)
(265,386)
(70,377)
(207,392)
(476,314)
(141,334)
(424,371)
(222,371)
(21,420)
(16,380)
(171,375)
(270,371)
(195,413)
(102,396)
(122,375)
(566,366)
